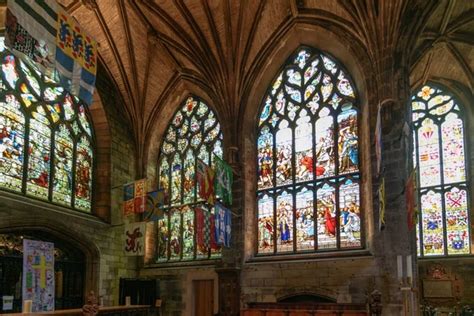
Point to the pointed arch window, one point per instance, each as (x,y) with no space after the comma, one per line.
(194,132)
(308,187)
(46,137)
(439,157)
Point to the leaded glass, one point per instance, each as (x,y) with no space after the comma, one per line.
(12,124)
(308,158)
(193,132)
(188,233)
(62,182)
(36,112)
(162,243)
(84,163)
(265,224)
(439,156)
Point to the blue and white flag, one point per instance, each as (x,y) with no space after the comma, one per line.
(223,223)
(50,38)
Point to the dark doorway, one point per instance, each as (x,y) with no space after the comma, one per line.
(69,269)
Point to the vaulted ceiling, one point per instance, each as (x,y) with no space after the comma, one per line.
(150,46)
(445,48)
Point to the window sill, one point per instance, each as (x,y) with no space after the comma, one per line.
(10,201)
(446,258)
(315,256)
(183,264)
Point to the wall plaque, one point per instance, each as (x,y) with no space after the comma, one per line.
(437,288)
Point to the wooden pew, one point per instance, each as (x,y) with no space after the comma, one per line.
(135,310)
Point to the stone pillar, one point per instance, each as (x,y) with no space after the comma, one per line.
(229,291)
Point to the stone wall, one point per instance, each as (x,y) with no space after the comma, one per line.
(99,238)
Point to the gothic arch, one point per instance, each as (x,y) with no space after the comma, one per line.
(358,67)
(168,107)
(63,232)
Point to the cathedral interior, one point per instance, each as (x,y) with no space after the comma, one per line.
(346,124)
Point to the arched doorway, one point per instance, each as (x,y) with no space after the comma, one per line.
(70,266)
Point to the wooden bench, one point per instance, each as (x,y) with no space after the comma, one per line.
(135,310)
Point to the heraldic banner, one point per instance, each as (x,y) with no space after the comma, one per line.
(134,239)
(38,274)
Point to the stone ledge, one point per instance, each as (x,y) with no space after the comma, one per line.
(184,264)
(309,257)
(18,201)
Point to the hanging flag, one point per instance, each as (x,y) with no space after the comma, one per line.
(128,199)
(154,205)
(205,180)
(204,230)
(134,197)
(212,233)
(378,141)
(200,227)
(222,224)
(43,32)
(223,180)
(382,205)
(134,239)
(410,198)
(76,58)
(31,28)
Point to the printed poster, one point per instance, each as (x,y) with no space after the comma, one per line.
(38,274)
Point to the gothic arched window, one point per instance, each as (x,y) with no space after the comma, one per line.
(439,157)
(308,158)
(194,132)
(46,138)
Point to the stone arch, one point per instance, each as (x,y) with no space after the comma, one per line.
(168,107)
(358,66)
(62,232)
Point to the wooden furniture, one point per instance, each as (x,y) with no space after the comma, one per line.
(304,309)
(132,310)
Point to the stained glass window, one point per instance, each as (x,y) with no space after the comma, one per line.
(308,159)
(439,156)
(46,138)
(194,132)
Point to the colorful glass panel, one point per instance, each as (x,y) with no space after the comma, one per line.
(429,158)
(349,218)
(307,143)
(34,111)
(304,148)
(348,142)
(453,149)
(432,223)
(457,219)
(325,153)
(265,224)
(63,155)
(439,155)
(193,132)
(175,235)
(265,159)
(304,219)
(284,153)
(162,243)
(12,125)
(284,221)
(188,233)
(39,155)
(83,186)
(326,217)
